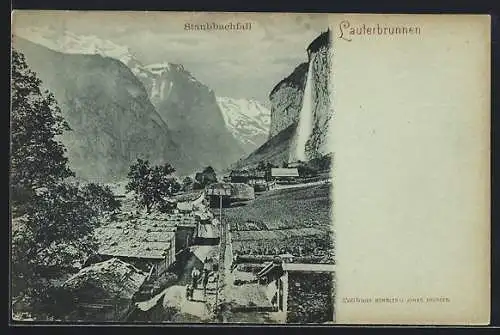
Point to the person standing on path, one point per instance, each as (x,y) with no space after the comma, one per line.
(205,283)
(189,292)
(207,266)
(195,276)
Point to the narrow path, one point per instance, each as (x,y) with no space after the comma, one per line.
(201,307)
(242,295)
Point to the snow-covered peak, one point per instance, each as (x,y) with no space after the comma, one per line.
(157,68)
(248,108)
(65,41)
(68,42)
(248,120)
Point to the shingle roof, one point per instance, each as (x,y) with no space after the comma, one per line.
(192,196)
(284,172)
(116,277)
(138,243)
(148,236)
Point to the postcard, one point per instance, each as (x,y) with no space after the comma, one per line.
(249,168)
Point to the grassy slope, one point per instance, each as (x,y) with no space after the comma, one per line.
(284,209)
(308,206)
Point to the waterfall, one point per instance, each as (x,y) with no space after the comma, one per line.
(304,128)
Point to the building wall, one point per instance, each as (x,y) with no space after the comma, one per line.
(215,201)
(310,297)
(184,237)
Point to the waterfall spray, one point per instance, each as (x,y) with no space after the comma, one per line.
(304,128)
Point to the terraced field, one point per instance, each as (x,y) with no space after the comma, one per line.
(296,221)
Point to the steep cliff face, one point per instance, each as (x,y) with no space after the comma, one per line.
(318,142)
(286,100)
(193,115)
(301,111)
(111,118)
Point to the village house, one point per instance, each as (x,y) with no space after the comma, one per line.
(101,291)
(284,175)
(150,239)
(226,193)
(239,176)
(187,203)
(219,193)
(149,245)
(250,177)
(258,180)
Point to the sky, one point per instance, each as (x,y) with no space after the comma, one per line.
(236,63)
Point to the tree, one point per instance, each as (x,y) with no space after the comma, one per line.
(205,178)
(152,184)
(55,232)
(52,219)
(261,166)
(100,198)
(187,183)
(306,170)
(37,158)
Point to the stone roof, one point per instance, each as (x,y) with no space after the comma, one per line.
(155,219)
(137,243)
(191,196)
(117,278)
(146,236)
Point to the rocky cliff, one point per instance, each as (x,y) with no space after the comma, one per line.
(111,117)
(320,52)
(301,111)
(286,100)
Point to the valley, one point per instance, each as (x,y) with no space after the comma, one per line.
(225,202)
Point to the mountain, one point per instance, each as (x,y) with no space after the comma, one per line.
(247,120)
(301,111)
(111,118)
(69,43)
(186,108)
(286,99)
(190,109)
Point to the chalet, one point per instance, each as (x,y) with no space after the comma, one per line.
(148,247)
(256,177)
(239,176)
(259,180)
(218,193)
(260,186)
(102,291)
(187,203)
(147,240)
(284,174)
